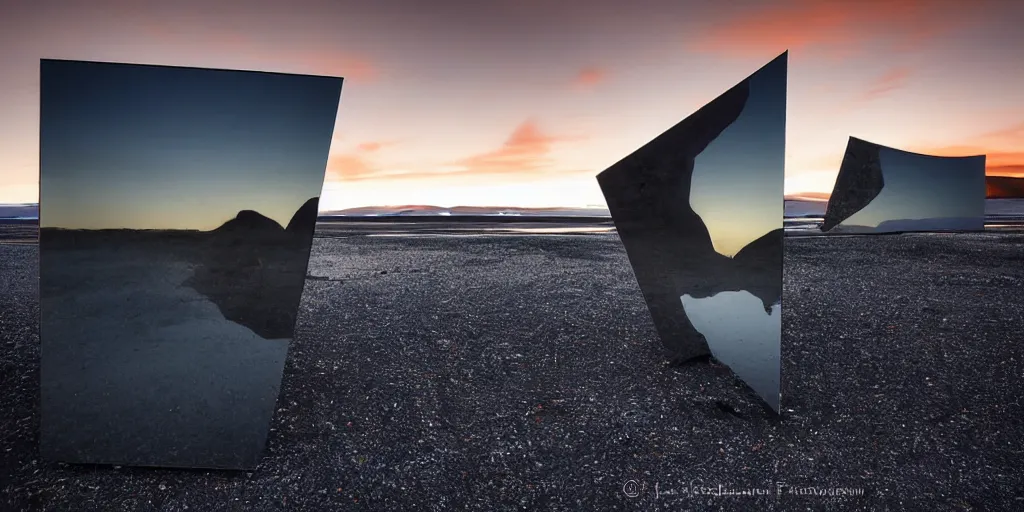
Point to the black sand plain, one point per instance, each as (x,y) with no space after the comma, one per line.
(523,372)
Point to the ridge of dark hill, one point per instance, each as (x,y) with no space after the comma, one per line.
(254,270)
(250,220)
(1004,187)
(304,220)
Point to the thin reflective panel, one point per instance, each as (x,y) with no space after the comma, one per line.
(885,190)
(699,211)
(177,209)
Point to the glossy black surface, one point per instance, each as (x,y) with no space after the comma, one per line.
(699,211)
(885,190)
(177,209)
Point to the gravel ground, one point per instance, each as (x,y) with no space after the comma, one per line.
(523,373)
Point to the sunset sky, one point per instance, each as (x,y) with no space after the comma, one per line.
(523,102)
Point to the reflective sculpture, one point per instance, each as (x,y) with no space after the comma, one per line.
(885,190)
(699,211)
(177,209)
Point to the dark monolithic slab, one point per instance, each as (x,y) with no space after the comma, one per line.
(699,211)
(177,209)
(883,190)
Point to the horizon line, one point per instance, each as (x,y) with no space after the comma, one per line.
(507,207)
(816,198)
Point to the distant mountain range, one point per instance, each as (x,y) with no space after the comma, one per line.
(428,210)
(997,187)
(794,208)
(1004,187)
(19,211)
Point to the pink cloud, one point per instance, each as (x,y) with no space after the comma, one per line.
(589,77)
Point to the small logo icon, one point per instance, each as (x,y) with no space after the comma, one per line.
(631,489)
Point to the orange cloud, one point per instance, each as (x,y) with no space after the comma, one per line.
(1005,164)
(357,164)
(372,146)
(525,151)
(1006,171)
(1005,160)
(888,82)
(836,27)
(589,77)
(1013,136)
(997,163)
(350,166)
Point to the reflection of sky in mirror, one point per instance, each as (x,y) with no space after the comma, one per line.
(925,187)
(741,335)
(737,184)
(148,147)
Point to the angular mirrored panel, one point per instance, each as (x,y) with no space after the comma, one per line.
(699,211)
(177,209)
(885,190)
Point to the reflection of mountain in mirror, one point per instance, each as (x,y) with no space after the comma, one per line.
(699,211)
(250,267)
(177,213)
(254,271)
(881,189)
